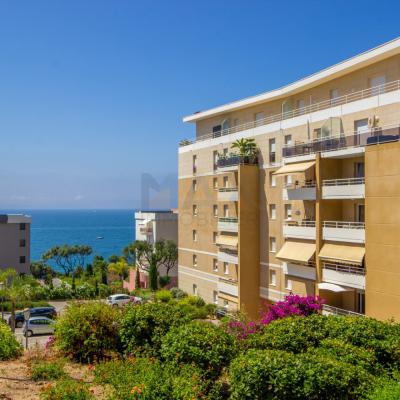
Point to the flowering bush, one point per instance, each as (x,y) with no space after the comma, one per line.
(241,330)
(293,305)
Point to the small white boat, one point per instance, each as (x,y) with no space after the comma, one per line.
(100,237)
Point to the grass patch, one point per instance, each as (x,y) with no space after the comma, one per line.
(47,370)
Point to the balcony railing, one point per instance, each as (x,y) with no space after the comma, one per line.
(228,219)
(304,223)
(301,184)
(344,225)
(326,309)
(235,160)
(224,190)
(343,182)
(385,134)
(350,269)
(323,105)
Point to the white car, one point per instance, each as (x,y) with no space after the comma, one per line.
(119,300)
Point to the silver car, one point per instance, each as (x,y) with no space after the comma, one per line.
(38,326)
(119,300)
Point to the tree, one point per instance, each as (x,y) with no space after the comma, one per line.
(68,257)
(130,254)
(245,147)
(113,258)
(41,270)
(100,268)
(137,278)
(119,268)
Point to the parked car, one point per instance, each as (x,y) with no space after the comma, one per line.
(119,300)
(38,326)
(49,312)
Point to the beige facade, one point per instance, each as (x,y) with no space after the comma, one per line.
(15,242)
(306,217)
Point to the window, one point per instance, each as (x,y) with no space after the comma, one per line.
(272,179)
(226,304)
(215,160)
(288,211)
(22,226)
(359,170)
(272,244)
(215,265)
(272,151)
(288,180)
(194,209)
(215,210)
(194,164)
(272,277)
(226,182)
(226,268)
(361,125)
(288,140)
(194,234)
(194,185)
(194,260)
(215,183)
(226,211)
(22,243)
(334,95)
(215,235)
(258,118)
(194,289)
(217,130)
(301,105)
(272,211)
(215,297)
(377,84)
(225,152)
(288,283)
(22,260)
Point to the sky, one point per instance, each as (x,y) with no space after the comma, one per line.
(92,92)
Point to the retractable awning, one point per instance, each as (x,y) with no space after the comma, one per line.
(332,287)
(227,240)
(296,251)
(294,168)
(342,253)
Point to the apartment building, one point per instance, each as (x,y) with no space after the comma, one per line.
(15,242)
(317,211)
(152,226)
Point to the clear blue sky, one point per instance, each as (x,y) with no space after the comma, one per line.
(92,92)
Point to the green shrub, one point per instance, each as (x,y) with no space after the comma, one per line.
(164,280)
(163,296)
(20,305)
(275,374)
(143,327)
(146,379)
(47,370)
(295,334)
(9,346)
(66,390)
(88,331)
(178,293)
(203,344)
(385,390)
(193,301)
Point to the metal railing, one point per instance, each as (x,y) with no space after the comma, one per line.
(352,139)
(145,231)
(303,223)
(343,182)
(228,219)
(344,224)
(340,311)
(232,189)
(234,160)
(350,269)
(323,105)
(228,280)
(301,184)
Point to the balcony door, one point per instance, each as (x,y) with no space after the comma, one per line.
(359,170)
(359,212)
(360,127)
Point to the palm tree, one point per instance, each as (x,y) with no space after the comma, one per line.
(245,147)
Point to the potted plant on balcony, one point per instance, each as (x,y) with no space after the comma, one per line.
(247,149)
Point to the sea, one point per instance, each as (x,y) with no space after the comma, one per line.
(106,231)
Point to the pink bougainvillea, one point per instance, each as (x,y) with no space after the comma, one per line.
(241,329)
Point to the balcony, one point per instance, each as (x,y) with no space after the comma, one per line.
(304,229)
(145,230)
(232,162)
(228,224)
(229,256)
(353,141)
(350,188)
(340,231)
(228,286)
(330,310)
(228,194)
(305,190)
(298,112)
(348,275)
(304,271)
